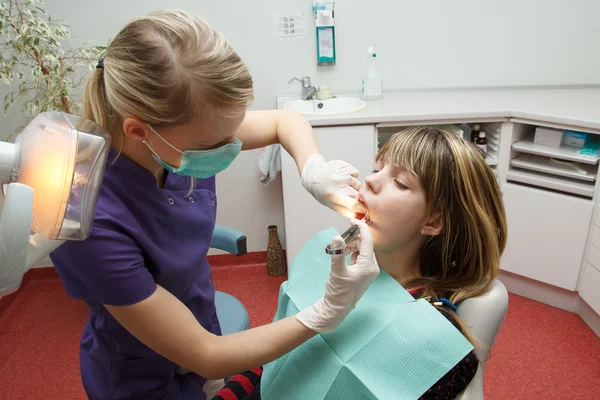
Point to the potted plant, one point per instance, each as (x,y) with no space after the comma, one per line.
(36,60)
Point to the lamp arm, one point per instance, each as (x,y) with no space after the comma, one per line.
(40,247)
(19,251)
(8,155)
(15,225)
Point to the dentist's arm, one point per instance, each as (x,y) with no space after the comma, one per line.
(334,183)
(168,327)
(289,128)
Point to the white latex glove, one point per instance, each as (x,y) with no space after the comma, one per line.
(345,286)
(333,184)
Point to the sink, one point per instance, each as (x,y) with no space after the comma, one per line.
(335,105)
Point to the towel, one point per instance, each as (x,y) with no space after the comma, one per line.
(389,347)
(269,163)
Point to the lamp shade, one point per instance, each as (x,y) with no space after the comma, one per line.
(62,158)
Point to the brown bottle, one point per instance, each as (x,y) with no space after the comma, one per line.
(481,144)
(475,133)
(276,262)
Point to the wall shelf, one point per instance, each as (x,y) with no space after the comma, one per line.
(546,165)
(551,182)
(492,128)
(526,145)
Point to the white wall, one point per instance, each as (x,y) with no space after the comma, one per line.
(422,44)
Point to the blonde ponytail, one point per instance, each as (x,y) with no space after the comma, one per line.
(94,103)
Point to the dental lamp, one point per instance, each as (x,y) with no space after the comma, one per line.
(50,181)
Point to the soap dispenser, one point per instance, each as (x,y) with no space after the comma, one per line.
(324,22)
(371,82)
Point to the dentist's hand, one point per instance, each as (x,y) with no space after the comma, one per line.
(334,184)
(345,286)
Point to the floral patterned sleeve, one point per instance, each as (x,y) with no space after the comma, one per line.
(245,386)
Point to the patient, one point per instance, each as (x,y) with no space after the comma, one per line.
(439,229)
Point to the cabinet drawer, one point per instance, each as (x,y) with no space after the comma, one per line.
(594,256)
(545,244)
(590,287)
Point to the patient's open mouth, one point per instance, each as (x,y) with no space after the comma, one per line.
(366,217)
(362,216)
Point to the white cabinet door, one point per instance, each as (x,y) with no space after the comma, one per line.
(304,216)
(546,234)
(590,286)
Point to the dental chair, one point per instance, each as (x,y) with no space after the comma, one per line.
(484,316)
(232,314)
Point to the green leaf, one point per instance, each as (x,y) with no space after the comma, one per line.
(63,64)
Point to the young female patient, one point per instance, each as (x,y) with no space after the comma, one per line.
(439,229)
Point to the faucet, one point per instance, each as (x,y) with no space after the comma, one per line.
(308,91)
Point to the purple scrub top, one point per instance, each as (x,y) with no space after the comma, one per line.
(142,236)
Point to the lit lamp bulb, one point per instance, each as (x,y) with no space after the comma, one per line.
(47,167)
(54,171)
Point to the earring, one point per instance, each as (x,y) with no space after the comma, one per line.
(422,232)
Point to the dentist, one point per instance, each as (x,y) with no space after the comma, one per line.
(173,95)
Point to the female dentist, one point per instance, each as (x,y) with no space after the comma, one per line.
(173,95)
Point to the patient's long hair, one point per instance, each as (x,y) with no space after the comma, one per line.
(463,260)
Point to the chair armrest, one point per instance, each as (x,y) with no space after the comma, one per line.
(229,239)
